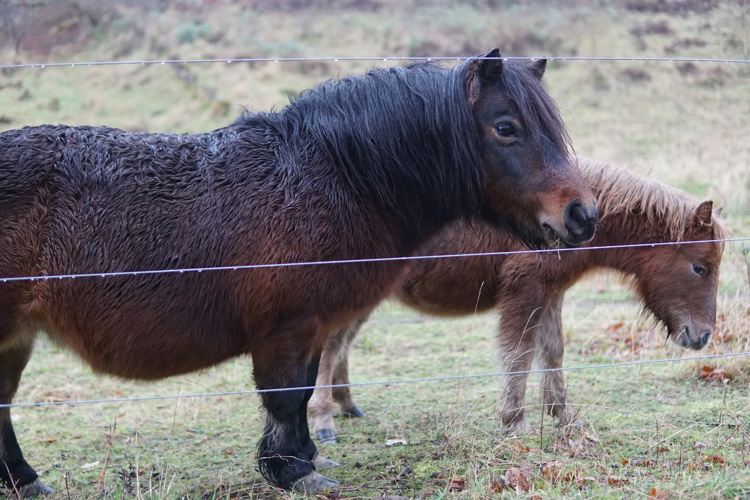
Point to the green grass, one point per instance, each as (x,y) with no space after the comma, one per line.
(649,429)
(653,426)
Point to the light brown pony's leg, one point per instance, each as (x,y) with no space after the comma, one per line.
(517,341)
(333,370)
(320,407)
(343,395)
(551,344)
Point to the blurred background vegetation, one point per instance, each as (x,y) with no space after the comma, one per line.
(677,119)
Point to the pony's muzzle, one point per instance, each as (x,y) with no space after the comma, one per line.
(580,221)
(701,341)
(688,341)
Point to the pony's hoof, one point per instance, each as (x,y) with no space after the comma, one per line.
(356,412)
(314,483)
(518,428)
(36,489)
(326,436)
(322,463)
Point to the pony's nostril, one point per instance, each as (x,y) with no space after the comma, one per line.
(580,220)
(704,338)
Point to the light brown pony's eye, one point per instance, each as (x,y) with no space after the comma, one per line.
(699,270)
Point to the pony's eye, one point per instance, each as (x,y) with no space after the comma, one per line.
(506,130)
(699,270)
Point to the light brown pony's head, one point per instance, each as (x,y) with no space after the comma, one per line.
(530,176)
(677,282)
(680,283)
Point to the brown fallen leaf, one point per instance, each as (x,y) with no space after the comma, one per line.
(711,373)
(519,478)
(520,448)
(716,459)
(613,481)
(497,486)
(658,494)
(457,484)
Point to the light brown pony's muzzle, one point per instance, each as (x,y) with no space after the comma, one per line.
(692,336)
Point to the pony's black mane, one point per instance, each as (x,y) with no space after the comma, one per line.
(404,133)
(400,132)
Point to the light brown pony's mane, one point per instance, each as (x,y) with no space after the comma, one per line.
(619,190)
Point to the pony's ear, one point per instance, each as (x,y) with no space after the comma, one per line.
(702,215)
(491,67)
(537,68)
(483,72)
(717,211)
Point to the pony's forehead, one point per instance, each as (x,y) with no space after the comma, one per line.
(539,110)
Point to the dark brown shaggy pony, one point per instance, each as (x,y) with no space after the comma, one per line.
(676,283)
(366,167)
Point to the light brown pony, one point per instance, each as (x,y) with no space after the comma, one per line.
(676,283)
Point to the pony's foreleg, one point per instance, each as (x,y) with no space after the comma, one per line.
(287,457)
(333,370)
(516,338)
(320,407)
(551,346)
(15,473)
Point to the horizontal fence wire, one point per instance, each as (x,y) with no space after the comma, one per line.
(358,261)
(447,378)
(108,274)
(231,60)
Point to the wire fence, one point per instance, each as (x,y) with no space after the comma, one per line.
(396,59)
(230,60)
(380,382)
(358,261)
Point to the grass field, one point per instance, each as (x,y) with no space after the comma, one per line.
(652,431)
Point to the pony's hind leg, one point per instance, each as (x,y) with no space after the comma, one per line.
(15,473)
(551,348)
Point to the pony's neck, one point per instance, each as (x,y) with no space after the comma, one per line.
(621,230)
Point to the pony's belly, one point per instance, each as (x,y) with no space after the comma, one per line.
(148,356)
